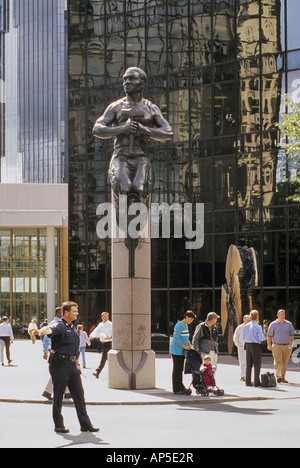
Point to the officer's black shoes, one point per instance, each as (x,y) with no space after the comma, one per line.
(61,430)
(90,429)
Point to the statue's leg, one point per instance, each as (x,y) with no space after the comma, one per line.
(142,178)
(120,179)
(120,176)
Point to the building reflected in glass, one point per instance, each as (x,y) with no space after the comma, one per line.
(218,70)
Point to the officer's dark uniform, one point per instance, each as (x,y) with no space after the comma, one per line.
(64,373)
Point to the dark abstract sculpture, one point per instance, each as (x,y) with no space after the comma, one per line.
(241,280)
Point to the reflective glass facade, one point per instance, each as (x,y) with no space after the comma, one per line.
(33,90)
(218,70)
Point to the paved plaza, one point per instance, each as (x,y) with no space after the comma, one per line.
(148,418)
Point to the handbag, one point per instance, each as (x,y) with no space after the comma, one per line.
(268,380)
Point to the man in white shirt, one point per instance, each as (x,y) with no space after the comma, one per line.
(6,338)
(104,332)
(240,344)
(32,326)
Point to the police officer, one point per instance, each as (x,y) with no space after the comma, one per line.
(65,369)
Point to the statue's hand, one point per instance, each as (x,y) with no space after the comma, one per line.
(130,128)
(142,130)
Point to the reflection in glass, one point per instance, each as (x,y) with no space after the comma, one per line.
(248,29)
(249,177)
(294,305)
(272,301)
(222,243)
(225,221)
(225,183)
(159,318)
(294,272)
(275,259)
(201,101)
(201,45)
(218,75)
(202,265)
(179,304)
(199,178)
(156,48)
(225,115)
(223,31)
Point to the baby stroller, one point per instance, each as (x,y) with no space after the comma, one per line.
(192,366)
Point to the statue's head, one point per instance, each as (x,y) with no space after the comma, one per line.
(134,80)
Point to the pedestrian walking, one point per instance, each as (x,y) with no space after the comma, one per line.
(2,347)
(180,344)
(6,339)
(281,336)
(104,332)
(92,328)
(266,325)
(205,339)
(32,326)
(253,337)
(65,369)
(83,342)
(240,344)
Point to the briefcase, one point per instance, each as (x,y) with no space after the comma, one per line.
(268,380)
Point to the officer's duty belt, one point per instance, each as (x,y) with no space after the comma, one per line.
(64,357)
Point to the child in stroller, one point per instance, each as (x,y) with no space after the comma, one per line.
(207,371)
(193,365)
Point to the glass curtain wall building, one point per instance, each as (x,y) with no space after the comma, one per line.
(218,70)
(33,166)
(33,90)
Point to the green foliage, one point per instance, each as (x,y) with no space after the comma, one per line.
(290,128)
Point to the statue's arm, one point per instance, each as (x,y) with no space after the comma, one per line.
(105,127)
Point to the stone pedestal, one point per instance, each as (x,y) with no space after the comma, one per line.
(131,362)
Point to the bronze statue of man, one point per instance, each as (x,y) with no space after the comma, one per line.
(131,121)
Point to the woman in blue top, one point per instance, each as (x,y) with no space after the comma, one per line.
(180,344)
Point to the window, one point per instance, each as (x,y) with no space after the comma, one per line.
(23,272)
